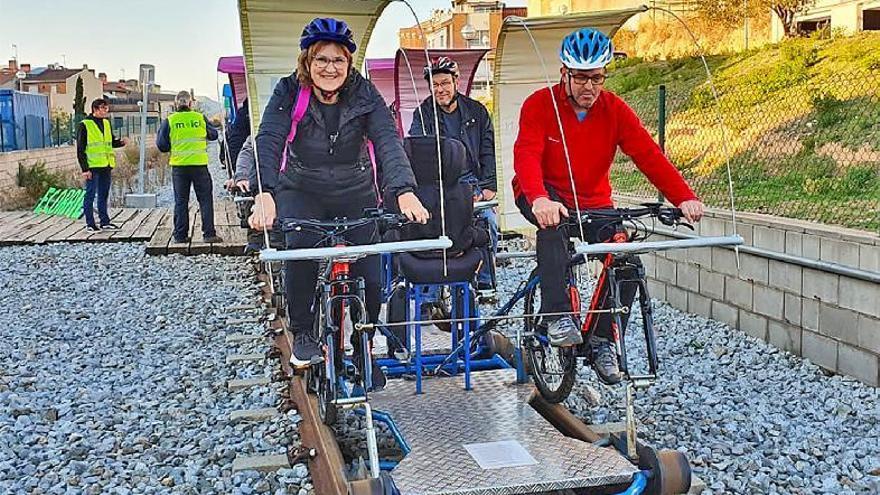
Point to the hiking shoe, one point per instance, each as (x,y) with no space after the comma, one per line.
(305,351)
(605,360)
(110,226)
(182,240)
(213,239)
(92,228)
(563,332)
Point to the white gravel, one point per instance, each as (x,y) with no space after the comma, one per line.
(113,375)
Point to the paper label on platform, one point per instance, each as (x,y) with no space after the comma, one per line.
(496,455)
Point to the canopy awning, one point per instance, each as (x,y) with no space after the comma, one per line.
(519,72)
(381,72)
(234,67)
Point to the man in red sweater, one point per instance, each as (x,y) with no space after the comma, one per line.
(595,123)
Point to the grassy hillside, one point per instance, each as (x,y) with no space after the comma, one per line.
(799,120)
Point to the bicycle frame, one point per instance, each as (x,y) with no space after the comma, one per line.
(613,276)
(337,290)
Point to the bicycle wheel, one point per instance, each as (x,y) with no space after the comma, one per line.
(553,369)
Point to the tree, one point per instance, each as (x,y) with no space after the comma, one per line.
(731,13)
(79,101)
(787,9)
(62,132)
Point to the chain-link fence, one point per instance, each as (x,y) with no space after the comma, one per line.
(801,149)
(59,130)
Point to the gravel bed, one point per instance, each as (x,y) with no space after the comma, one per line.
(751,418)
(113,375)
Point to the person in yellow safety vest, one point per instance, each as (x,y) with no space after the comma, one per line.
(94,151)
(185,134)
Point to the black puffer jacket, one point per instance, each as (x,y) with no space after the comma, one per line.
(363,115)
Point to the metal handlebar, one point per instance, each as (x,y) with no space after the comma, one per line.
(329,253)
(650,246)
(376,216)
(665,214)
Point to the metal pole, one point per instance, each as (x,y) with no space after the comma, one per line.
(147,78)
(661,125)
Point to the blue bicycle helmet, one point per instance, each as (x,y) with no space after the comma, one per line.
(327,29)
(585,49)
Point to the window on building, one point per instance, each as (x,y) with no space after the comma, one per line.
(871,20)
(812,25)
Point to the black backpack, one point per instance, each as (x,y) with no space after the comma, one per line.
(458,197)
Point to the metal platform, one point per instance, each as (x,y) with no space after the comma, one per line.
(440,423)
(434,341)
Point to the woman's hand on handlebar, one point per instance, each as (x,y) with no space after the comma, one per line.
(412,208)
(548,213)
(692,210)
(263,215)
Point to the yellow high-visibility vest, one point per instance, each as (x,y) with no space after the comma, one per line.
(99,145)
(189,143)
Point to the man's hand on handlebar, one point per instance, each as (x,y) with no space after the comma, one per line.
(692,210)
(548,213)
(263,215)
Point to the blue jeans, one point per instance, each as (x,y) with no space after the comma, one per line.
(99,184)
(182,177)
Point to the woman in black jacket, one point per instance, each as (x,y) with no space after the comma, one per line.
(327,171)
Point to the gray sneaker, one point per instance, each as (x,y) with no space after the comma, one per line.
(563,332)
(305,351)
(605,360)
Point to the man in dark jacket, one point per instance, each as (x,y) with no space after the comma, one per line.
(94,152)
(468,121)
(236,133)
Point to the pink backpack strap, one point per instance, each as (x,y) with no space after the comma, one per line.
(299,110)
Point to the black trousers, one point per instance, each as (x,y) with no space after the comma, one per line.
(553,258)
(301,276)
(199,178)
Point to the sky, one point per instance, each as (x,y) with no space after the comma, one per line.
(182,38)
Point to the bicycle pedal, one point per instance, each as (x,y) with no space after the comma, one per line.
(402,356)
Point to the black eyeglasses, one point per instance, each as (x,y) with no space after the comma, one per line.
(581,79)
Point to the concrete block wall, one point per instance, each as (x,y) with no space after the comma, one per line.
(833,320)
(61,158)
(57,159)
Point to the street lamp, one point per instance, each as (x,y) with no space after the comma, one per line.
(469,33)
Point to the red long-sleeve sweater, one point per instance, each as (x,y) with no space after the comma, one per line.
(539,158)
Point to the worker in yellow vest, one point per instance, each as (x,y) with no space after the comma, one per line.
(186,134)
(94,151)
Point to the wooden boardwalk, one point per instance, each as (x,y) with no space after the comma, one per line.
(225,221)
(136,225)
